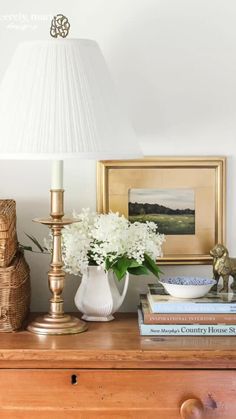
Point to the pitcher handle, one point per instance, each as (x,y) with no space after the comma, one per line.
(126,284)
(117,302)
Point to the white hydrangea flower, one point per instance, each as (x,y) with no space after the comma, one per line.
(76,242)
(109,233)
(143,238)
(96,238)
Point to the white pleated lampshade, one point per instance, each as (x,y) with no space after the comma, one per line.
(57,100)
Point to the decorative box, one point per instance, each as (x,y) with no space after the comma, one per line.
(14,294)
(8,236)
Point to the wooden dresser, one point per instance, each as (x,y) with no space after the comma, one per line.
(111,372)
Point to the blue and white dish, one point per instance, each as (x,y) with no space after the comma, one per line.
(187,287)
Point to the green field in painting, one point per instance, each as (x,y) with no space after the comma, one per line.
(169,224)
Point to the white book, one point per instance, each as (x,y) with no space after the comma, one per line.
(184,329)
(161,302)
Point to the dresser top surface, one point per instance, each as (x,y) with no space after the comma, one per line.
(115,344)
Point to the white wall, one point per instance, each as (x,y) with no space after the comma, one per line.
(174,62)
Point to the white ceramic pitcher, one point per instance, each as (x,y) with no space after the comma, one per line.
(98,296)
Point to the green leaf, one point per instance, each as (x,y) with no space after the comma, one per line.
(29,248)
(134,263)
(35,241)
(122,265)
(140,270)
(109,264)
(117,273)
(151,266)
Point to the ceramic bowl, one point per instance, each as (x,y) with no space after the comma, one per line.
(187,287)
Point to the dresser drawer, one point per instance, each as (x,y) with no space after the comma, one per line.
(115,394)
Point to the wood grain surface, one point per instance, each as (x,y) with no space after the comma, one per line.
(126,393)
(118,345)
(110,372)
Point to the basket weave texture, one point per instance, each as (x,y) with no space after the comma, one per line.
(14,272)
(8,236)
(14,294)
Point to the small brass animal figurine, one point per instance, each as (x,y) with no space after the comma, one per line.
(223,266)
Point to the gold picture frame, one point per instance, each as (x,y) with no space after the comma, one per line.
(205,176)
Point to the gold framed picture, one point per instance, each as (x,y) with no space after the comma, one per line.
(185,197)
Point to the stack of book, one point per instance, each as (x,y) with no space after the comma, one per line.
(161,314)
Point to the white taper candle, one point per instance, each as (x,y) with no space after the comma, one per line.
(57,174)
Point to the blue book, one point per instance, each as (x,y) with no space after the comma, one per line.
(184,329)
(161,302)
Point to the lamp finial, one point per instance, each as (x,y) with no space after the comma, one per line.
(60,26)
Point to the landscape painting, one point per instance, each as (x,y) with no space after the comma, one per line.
(173,210)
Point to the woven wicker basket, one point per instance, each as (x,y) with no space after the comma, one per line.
(14,294)
(8,236)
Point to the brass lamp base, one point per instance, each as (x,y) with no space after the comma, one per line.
(62,325)
(56,322)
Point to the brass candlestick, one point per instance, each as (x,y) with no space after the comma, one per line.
(56,322)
